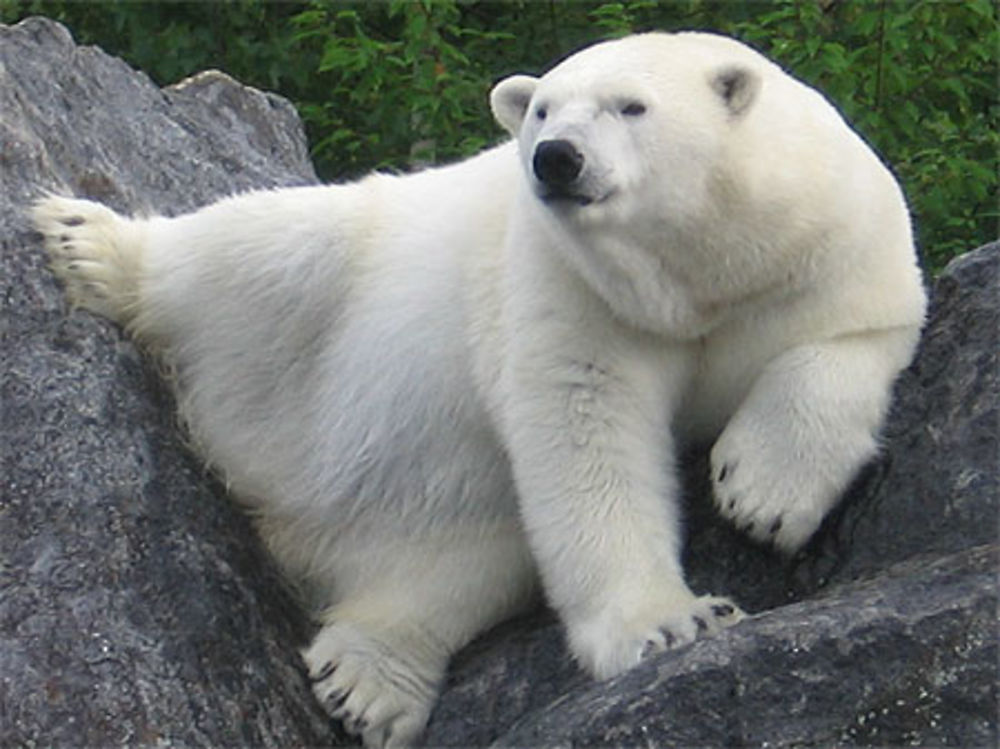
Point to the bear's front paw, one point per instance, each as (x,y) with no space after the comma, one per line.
(613,642)
(769,490)
(378,687)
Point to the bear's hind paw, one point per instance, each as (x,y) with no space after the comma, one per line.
(377,687)
(93,251)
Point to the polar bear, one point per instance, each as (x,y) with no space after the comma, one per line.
(438,393)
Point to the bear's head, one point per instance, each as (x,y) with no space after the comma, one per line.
(630,127)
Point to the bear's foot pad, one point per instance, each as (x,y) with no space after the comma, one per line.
(92,252)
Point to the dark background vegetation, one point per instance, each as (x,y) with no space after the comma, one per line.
(393,85)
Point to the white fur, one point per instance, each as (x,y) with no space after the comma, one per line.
(429,387)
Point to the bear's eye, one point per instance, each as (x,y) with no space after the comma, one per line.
(634,109)
(541,113)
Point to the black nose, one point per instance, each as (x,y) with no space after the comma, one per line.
(557,162)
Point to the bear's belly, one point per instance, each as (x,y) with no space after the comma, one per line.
(385,430)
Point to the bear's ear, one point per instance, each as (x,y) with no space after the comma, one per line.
(737,86)
(509,101)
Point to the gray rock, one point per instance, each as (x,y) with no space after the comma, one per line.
(78,120)
(136,606)
(907,659)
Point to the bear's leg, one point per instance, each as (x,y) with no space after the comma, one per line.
(589,437)
(808,425)
(378,661)
(97,254)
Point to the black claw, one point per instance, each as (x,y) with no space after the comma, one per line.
(748,528)
(71,221)
(723,609)
(702,625)
(668,637)
(336,699)
(326,673)
(356,725)
(732,503)
(723,472)
(775,526)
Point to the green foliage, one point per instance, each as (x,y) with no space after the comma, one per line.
(397,84)
(400,84)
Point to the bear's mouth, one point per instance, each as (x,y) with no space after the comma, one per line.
(560,196)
